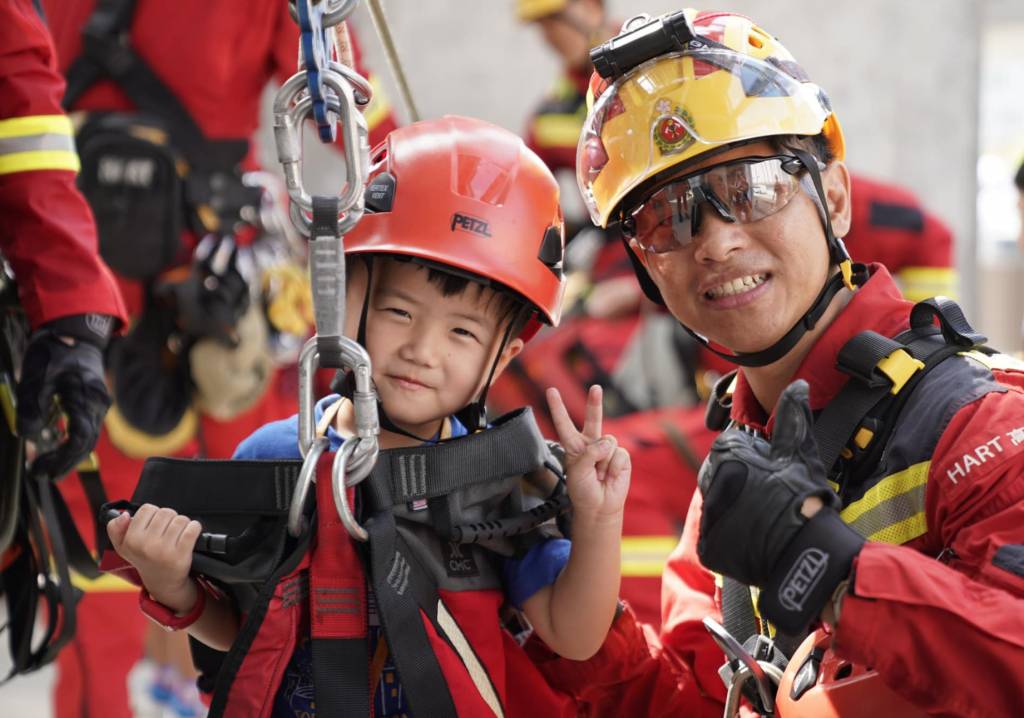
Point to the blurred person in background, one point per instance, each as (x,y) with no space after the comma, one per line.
(59,306)
(166,98)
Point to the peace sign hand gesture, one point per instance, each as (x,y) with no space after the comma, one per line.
(597,468)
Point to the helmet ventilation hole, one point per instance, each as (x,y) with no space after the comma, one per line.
(844,671)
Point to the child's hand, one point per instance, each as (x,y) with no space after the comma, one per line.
(597,469)
(159,543)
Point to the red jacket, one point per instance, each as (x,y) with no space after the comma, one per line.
(217,58)
(948,636)
(47,232)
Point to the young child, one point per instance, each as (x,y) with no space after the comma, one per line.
(463,244)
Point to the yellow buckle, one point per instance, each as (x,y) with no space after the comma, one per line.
(863,437)
(846,267)
(899,367)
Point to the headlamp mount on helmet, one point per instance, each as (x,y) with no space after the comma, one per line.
(619,55)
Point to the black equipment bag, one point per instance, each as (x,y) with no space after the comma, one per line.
(130,177)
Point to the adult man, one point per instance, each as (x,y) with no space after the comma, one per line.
(725,164)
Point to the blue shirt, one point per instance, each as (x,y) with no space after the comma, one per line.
(522,577)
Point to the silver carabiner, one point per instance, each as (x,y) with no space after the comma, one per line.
(307,477)
(339,482)
(291,108)
(739,679)
(364,399)
(337,10)
(761,672)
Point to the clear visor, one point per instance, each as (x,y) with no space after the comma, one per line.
(673,105)
(741,191)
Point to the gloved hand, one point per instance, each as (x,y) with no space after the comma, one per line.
(64,359)
(210,296)
(752,528)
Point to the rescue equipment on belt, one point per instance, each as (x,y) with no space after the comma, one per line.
(39,542)
(148,174)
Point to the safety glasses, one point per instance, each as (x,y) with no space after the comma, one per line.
(742,191)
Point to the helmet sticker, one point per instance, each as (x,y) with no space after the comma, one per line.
(669,127)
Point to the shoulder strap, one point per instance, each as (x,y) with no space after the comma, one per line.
(883,374)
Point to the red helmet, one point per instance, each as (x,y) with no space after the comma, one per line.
(839,688)
(468,195)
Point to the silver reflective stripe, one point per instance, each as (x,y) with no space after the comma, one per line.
(48,141)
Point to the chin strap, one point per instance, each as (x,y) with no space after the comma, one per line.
(856,274)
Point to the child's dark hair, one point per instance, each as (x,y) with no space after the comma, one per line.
(509,306)
(1018,179)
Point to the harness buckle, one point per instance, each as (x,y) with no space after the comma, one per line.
(899,367)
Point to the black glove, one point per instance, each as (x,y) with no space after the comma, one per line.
(64,359)
(214,294)
(752,529)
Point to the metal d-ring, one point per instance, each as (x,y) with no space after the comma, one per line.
(307,477)
(338,485)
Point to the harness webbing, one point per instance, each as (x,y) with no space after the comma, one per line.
(875,394)
(509,448)
(338,612)
(403,588)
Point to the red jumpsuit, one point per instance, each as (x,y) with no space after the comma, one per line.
(217,58)
(47,232)
(947,636)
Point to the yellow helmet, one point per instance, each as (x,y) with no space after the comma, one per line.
(530,10)
(722,80)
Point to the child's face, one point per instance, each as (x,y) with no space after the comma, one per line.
(431,353)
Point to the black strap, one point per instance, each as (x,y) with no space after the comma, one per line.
(402,587)
(738,610)
(513,446)
(868,391)
(197,486)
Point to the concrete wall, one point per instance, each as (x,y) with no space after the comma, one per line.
(902,77)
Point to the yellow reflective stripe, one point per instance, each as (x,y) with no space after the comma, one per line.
(106,583)
(893,509)
(993,362)
(140,445)
(918,283)
(41,160)
(557,130)
(901,532)
(379,107)
(35,125)
(646,555)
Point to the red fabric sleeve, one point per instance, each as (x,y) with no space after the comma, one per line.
(47,233)
(687,597)
(632,675)
(950,637)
